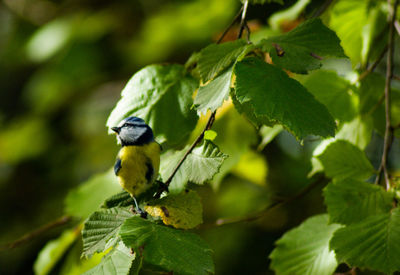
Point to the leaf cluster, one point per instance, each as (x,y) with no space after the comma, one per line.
(265,83)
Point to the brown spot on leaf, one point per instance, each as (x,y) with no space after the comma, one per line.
(279,50)
(165,211)
(316,56)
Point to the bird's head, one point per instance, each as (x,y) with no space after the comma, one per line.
(133,131)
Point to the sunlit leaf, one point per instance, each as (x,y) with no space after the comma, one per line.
(350,201)
(358,132)
(217,57)
(167,248)
(303,48)
(53,251)
(200,165)
(342,160)
(212,95)
(182,210)
(102,226)
(373,35)
(305,249)
(118,262)
(348,19)
(279,19)
(373,243)
(275,96)
(332,91)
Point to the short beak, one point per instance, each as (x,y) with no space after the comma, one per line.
(116,129)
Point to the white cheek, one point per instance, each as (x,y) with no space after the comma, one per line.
(119,140)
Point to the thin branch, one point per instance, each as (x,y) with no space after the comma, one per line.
(397,26)
(388,138)
(211,119)
(32,235)
(243,19)
(322,9)
(258,215)
(371,68)
(248,33)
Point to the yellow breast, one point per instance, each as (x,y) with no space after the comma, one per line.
(136,163)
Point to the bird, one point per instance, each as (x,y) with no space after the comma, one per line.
(138,161)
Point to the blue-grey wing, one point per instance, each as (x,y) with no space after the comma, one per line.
(117,166)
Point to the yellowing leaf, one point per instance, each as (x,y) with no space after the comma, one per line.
(183,210)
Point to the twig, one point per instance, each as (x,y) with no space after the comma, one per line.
(212,116)
(31,235)
(397,26)
(322,9)
(248,33)
(388,138)
(371,68)
(258,215)
(243,19)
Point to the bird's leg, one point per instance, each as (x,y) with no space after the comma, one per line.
(142,213)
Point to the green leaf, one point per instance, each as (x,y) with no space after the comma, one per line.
(210,135)
(291,14)
(200,165)
(358,132)
(303,48)
(118,262)
(332,91)
(373,32)
(276,97)
(212,95)
(350,201)
(373,243)
(268,134)
(348,19)
(162,96)
(371,90)
(102,226)
(167,248)
(215,58)
(121,199)
(182,210)
(342,160)
(305,249)
(53,252)
(87,198)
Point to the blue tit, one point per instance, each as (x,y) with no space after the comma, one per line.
(138,161)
